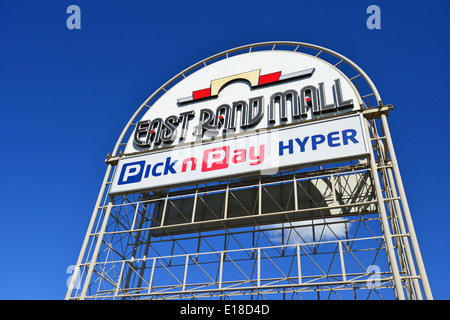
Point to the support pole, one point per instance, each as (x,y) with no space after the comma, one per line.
(409,257)
(407,213)
(384,223)
(88,233)
(96,250)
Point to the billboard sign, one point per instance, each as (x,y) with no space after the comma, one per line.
(257,152)
(241,94)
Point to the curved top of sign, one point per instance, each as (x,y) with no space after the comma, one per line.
(243,93)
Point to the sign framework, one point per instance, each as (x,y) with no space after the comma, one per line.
(149,221)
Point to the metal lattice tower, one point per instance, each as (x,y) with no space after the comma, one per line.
(271,237)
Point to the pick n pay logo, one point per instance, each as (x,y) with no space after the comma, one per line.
(131,172)
(215,159)
(211,160)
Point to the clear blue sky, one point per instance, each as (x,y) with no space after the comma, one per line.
(65,96)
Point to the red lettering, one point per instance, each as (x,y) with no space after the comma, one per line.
(216,158)
(259,158)
(239,156)
(185,163)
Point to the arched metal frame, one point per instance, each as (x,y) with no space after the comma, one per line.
(396,236)
(338,62)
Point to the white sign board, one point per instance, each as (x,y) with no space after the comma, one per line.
(243,93)
(263,152)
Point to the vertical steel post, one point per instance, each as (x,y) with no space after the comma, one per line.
(96,250)
(225,208)
(384,222)
(403,230)
(299,268)
(88,232)
(119,279)
(186,264)
(221,268)
(150,283)
(407,213)
(258,267)
(341,256)
(295,194)
(259,197)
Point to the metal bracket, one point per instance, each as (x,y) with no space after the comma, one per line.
(375,113)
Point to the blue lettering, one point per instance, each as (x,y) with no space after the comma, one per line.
(147,171)
(349,134)
(289,146)
(169,166)
(131,172)
(301,143)
(154,173)
(316,140)
(331,139)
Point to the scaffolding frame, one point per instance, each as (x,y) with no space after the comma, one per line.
(356,241)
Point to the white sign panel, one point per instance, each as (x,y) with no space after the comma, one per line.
(242,93)
(263,152)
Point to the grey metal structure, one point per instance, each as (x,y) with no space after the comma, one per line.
(333,231)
